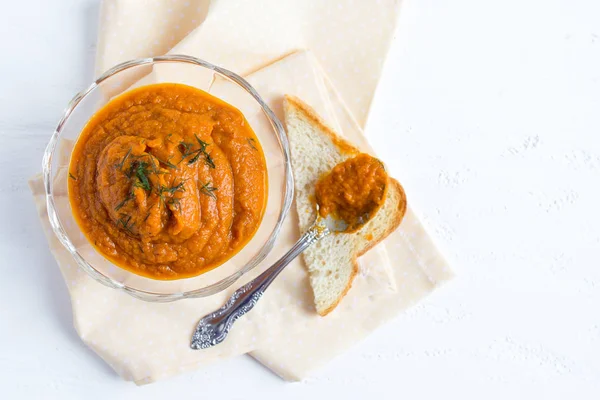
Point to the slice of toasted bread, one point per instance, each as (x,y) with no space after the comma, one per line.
(331,262)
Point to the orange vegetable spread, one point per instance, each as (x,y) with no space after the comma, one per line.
(353,191)
(168,181)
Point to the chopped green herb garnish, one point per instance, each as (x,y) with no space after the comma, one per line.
(209,160)
(251,143)
(202,143)
(199,152)
(121,204)
(141,171)
(154,166)
(168,163)
(208,190)
(171,190)
(122,163)
(195,158)
(179,187)
(174,201)
(155,169)
(72,177)
(124,221)
(138,184)
(186,149)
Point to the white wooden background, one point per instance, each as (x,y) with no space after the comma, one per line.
(488,112)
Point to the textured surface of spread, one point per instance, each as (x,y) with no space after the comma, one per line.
(167,181)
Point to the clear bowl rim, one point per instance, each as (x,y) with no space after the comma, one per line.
(209,290)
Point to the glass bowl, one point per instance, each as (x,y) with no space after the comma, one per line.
(191,71)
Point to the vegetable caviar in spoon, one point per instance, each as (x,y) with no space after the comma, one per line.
(353,191)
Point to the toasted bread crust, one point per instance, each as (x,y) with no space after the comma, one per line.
(398,217)
(347,148)
(342,144)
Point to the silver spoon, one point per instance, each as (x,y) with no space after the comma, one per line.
(213,328)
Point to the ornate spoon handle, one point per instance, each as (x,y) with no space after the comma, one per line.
(213,328)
